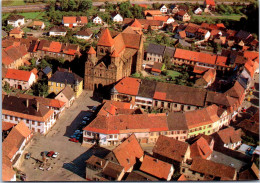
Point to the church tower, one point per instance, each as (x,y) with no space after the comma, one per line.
(105,45)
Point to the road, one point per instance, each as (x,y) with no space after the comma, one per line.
(41,7)
(70,163)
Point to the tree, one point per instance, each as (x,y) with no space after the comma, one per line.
(7,87)
(167,61)
(124,9)
(85,5)
(72,5)
(64,5)
(156,5)
(150,30)
(137,11)
(8,28)
(40,88)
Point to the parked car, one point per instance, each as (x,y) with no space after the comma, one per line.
(55,155)
(73,140)
(89,114)
(84,122)
(44,152)
(50,154)
(86,118)
(48,168)
(27,155)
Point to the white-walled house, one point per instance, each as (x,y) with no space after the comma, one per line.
(20,79)
(170,20)
(198,11)
(117,18)
(84,34)
(97,20)
(163,9)
(57,31)
(38,118)
(16,20)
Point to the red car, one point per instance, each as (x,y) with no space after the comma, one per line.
(73,140)
(50,153)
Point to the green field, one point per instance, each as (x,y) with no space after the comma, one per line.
(32,15)
(221,17)
(13,2)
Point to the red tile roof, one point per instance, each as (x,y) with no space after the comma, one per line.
(200,148)
(23,129)
(127,152)
(253,55)
(136,24)
(105,38)
(229,135)
(182,178)
(251,67)
(91,51)
(115,54)
(221,25)
(55,47)
(156,167)
(182,34)
(16,74)
(129,86)
(126,123)
(161,18)
(211,168)
(37,23)
(84,19)
(112,107)
(170,148)
(209,75)
(199,70)
(69,20)
(221,61)
(7,172)
(7,125)
(152,12)
(236,91)
(195,56)
(15,31)
(210,2)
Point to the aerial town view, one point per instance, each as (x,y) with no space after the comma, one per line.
(140,90)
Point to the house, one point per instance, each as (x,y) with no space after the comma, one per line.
(94,165)
(16,20)
(202,34)
(97,20)
(20,79)
(251,173)
(112,172)
(116,17)
(191,29)
(143,23)
(45,73)
(183,16)
(210,4)
(155,52)
(67,96)
(6,128)
(57,31)
(182,34)
(206,170)
(122,124)
(84,34)
(157,68)
(56,105)
(172,151)
(8,173)
(14,56)
(229,138)
(55,49)
(202,147)
(238,92)
(74,21)
(198,11)
(157,168)
(15,143)
(163,8)
(243,36)
(138,176)
(151,13)
(38,25)
(127,154)
(60,79)
(38,117)
(16,33)
(207,79)
(176,8)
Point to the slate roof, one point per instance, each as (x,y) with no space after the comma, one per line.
(155,49)
(170,148)
(65,77)
(147,88)
(243,35)
(47,70)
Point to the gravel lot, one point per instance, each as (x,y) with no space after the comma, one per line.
(70,163)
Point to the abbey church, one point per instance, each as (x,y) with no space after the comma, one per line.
(117,56)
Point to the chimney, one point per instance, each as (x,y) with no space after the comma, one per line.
(27,102)
(69,70)
(37,106)
(101,163)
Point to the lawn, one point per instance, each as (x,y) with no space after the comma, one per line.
(172,73)
(202,18)
(32,15)
(13,3)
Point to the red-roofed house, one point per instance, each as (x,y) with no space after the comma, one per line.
(183,16)
(127,153)
(207,79)
(20,79)
(210,4)
(201,149)
(74,21)
(157,168)
(16,32)
(15,142)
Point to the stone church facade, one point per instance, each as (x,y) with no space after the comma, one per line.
(114,59)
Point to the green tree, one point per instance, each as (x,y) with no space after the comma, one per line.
(8,28)
(137,11)
(167,61)
(85,5)
(150,30)
(64,5)
(156,5)
(72,5)
(7,87)
(40,88)
(124,9)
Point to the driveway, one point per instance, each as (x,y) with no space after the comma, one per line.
(70,163)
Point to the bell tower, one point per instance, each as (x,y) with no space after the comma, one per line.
(105,44)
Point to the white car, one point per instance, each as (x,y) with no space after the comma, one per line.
(55,155)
